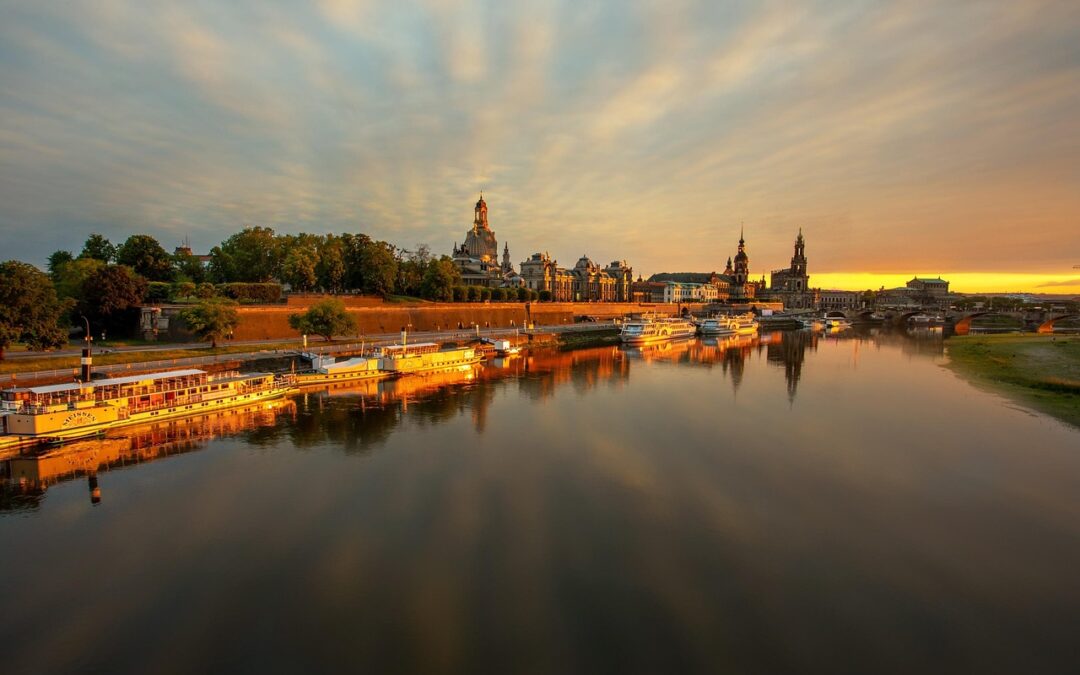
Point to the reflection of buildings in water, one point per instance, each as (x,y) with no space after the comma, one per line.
(789,351)
(914,342)
(28,476)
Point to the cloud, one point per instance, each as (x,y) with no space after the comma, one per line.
(895,135)
(1062,282)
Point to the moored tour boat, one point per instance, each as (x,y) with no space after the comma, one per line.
(326,370)
(423,356)
(743,324)
(644,331)
(715,325)
(59,412)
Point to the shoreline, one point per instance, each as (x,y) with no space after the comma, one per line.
(1041,372)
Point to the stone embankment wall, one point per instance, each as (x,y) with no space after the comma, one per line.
(268,322)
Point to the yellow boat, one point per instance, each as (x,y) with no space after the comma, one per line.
(325,370)
(424,356)
(59,412)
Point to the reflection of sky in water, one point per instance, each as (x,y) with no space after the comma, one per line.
(849,504)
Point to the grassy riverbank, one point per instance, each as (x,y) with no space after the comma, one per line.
(1042,371)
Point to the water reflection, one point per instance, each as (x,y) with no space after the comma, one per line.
(783,503)
(28,476)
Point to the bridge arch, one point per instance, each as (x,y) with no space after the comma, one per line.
(1047,326)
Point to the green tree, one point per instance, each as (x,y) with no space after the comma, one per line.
(301,260)
(70,277)
(326,318)
(58,259)
(29,309)
(98,247)
(212,319)
(472,293)
(461,293)
(111,296)
(252,255)
(380,268)
(188,267)
(440,278)
(146,257)
(330,270)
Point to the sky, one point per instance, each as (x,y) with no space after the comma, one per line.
(903,138)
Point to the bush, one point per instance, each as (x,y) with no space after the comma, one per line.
(522,294)
(245,292)
(205,290)
(158,291)
(545,296)
(485,294)
(460,294)
(498,295)
(533,295)
(472,293)
(182,289)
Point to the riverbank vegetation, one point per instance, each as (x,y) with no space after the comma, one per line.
(1042,371)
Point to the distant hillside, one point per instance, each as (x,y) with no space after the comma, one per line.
(682,277)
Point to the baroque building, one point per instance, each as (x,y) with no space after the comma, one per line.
(478,257)
(792,284)
(585,282)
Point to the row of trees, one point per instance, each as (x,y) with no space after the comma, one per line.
(306,262)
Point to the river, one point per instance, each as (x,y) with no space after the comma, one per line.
(792,503)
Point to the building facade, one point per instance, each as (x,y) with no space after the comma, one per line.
(585,282)
(841,300)
(792,285)
(478,257)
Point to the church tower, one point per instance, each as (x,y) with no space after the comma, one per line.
(742,263)
(480,218)
(480,240)
(507,266)
(798,261)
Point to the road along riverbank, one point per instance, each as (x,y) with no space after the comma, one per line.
(1041,371)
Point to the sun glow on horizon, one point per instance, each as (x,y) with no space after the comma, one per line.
(959,282)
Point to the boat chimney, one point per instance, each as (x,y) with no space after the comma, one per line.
(87,361)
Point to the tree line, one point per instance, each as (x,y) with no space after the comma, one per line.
(107,283)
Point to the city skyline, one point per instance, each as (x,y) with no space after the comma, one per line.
(904,139)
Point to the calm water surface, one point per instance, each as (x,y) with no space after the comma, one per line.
(794,504)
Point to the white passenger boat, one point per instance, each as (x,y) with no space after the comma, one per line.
(644,331)
(424,356)
(58,412)
(715,325)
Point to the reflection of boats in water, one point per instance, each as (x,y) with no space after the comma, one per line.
(650,351)
(60,412)
(424,356)
(648,330)
(136,444)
